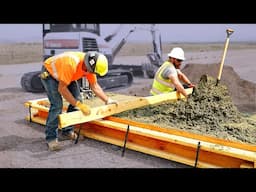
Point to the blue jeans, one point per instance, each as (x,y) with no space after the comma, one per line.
(56,104)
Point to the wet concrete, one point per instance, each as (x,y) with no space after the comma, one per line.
(208,111)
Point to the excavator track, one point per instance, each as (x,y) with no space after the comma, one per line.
(31,82)
(115,79)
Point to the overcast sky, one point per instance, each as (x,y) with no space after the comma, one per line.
(169,32)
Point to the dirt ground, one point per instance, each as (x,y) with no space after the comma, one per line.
(22,143)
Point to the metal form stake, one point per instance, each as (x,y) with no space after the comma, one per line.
(78,134)
(229,32)
(197,154)
(125,139)
(30,113)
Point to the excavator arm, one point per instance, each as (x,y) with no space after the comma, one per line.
(120,36)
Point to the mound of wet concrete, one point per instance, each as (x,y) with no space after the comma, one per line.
(242,92)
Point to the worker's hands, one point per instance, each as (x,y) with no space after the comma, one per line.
(111,101)
(84,108)
(191,85)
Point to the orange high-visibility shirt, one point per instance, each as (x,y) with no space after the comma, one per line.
(67,67)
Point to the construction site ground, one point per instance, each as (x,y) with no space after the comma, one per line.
(22,143)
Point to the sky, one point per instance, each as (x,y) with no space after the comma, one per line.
(169,32)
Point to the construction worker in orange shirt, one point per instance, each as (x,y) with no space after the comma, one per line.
(59,77)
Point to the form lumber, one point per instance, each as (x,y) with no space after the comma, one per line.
(173,147)
(77,117)
(184,141)
(37,104)
(174,131)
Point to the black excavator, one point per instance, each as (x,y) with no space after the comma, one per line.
(58,38)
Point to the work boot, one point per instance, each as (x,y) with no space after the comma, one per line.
(54,145)
(71,135)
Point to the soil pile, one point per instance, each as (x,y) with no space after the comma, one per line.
(209,111)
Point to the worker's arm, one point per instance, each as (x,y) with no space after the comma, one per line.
(64,91)
(178,85)
(96,88)
(185,79)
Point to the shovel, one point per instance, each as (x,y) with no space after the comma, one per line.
(229,32)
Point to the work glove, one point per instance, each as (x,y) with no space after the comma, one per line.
(111,101)
(84,108)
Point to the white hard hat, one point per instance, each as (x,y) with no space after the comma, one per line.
(177,53)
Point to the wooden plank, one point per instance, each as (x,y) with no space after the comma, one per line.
(174,131)
(77,117)
(169,146)
(185,141)
(38,120)
(147,150)
(41,104)
(246,165)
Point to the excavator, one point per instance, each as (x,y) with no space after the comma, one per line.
(58,38)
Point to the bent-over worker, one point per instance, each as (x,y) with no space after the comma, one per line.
(59,77)
(169,76)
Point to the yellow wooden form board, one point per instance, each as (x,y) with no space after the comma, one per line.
(77,117)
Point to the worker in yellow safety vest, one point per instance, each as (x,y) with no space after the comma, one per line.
(168,76)
(59,77)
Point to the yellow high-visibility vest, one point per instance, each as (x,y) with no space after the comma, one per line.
(161,85)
